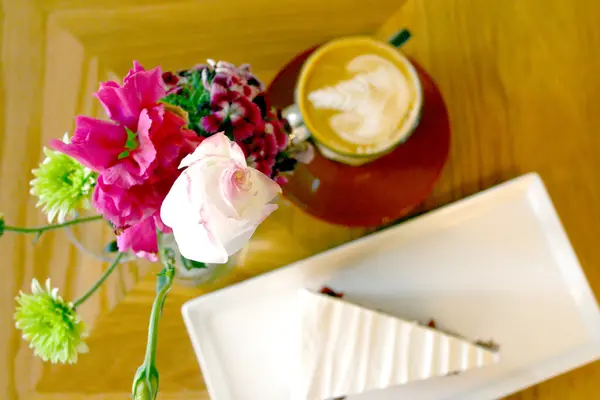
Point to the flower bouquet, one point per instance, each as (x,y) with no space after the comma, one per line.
(186,167)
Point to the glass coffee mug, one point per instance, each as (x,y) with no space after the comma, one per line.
(358,98)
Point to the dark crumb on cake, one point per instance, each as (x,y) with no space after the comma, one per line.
(339,398)
(330,292)
(490,345)
(453,373)
(434,325)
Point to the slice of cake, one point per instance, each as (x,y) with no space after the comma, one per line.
(347,349)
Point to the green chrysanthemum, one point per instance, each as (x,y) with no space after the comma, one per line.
(51,326)
(62,185)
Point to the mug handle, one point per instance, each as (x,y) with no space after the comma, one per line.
(299,133)
(292,113)
(399,38)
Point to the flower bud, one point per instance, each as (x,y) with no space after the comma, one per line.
(145,383)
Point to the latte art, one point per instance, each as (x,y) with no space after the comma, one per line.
(371,105)
(359,98)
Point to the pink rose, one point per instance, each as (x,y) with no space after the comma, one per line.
(217,202)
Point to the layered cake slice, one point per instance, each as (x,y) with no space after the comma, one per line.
(348,349)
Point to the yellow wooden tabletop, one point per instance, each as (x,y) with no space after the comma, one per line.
(521,79)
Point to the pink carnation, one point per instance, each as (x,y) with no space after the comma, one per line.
(126,207)
(173,142)
(237,79)
(136,155)
(141,239)
(276,124)
(232,92)
(122,207)
(233,108)
(124,152)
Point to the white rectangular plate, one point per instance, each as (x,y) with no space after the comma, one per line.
(497,265)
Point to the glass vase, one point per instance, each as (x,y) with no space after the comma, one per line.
(188,273)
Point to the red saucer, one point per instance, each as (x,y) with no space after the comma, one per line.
(382,191)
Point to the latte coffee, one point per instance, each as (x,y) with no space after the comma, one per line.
(359,97)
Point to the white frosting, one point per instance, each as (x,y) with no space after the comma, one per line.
(347,349)
(372,104)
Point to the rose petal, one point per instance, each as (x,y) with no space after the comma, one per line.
(160,224)
(180,211)
(216,145)
(216,204)
(235,236)
(177,208)
(195,243)
(263,190)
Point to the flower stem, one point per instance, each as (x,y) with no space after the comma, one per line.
(145,382)
(100,281)
(164,283)
(41,229)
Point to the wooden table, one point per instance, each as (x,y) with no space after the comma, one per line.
(521,79)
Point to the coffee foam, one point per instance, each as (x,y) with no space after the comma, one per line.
(372,104)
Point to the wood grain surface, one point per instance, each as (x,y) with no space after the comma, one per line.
(520,78)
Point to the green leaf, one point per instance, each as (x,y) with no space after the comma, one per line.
(131,144)
(132,140)
(191,264)
(197,80)
(205,98)
(194,99)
